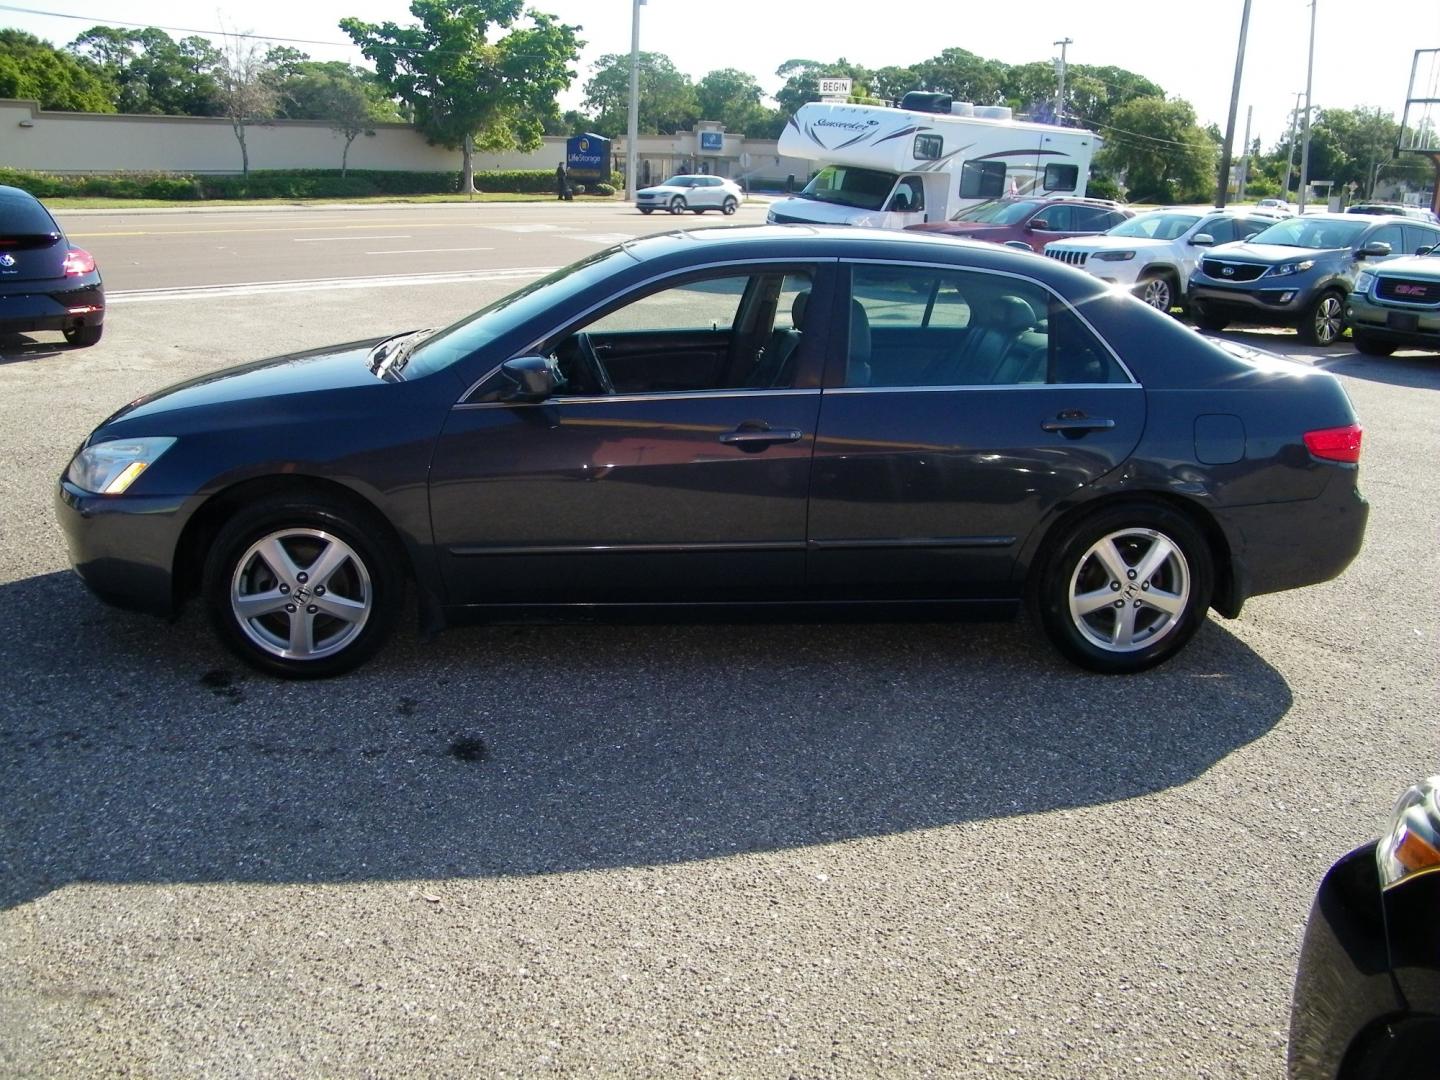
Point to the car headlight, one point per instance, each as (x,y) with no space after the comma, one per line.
(109,468)
(770,217)
(1411,845)
(1363,281)
(1285,269)
(1113,256)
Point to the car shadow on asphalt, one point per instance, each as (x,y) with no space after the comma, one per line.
(17,348)
(134,751)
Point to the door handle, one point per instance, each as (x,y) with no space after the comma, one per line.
(756,436)
(1074,424)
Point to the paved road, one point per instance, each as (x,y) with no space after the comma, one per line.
(771,850)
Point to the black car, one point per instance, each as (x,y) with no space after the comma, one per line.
(1367,992)
(1299,271)
(46,283)
(825,418)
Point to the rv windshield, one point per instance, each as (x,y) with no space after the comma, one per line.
(998,212)
(864,189)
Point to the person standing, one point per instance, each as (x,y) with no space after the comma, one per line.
(562,183)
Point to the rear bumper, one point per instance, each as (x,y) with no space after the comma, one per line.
(123,547)
(62,309)
(1311,541)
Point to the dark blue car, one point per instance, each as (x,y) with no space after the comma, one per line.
(823,418)
(46,282)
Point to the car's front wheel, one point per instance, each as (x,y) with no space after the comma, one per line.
(677,205)
(1371,346)
(1157,289)
(83,337)
(303,588)
(1207,319)
(1324,320)
(1125,588)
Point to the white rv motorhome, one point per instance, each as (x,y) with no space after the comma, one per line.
(890,168)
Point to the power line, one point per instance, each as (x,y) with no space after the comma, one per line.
(97,21)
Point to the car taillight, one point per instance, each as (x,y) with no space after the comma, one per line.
(1336,443)
(79,261)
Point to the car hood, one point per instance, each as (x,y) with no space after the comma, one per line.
(1268,254)
(1410,265)
(332,367)
(1111,243)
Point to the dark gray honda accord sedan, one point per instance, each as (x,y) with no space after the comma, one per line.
(826,419)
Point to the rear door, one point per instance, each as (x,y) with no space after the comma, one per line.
(32,247)
(940,448)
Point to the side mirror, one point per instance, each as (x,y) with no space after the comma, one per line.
(1426,250)
(532,378)
(1203,239)
(1039,223)
(1376,249)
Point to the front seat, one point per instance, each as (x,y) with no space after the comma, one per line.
(776,364)
(857,360)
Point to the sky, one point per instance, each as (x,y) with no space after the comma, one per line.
(1359,60)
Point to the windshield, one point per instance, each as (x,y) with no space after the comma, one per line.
(1160,225)
(998,212)
(864,189)
(473,332)
(679,181)
(1315,233)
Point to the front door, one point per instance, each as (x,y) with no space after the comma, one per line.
(673,465)
(968,405)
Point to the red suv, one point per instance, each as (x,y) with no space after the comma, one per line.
(1031,223)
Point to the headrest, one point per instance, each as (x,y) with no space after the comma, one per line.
(797,309)
(1011,313)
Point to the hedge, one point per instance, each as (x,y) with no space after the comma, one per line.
(277,184)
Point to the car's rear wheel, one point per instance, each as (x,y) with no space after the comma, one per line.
(1125,588)
(302,588)
(730,206)
(1157,289)
(1324,320)
(677,205)
(1371,346)
(83,337)
(1207,319)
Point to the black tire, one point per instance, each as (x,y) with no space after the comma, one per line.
(1371,346)
(647,209)
(1206,319)
(362,572)
(1324,320)
(1159,289)
(730,206)
(677,205)
(1073,567)
(82,337)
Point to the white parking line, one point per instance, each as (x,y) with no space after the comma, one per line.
(327,239)
(424,251)
(256,288)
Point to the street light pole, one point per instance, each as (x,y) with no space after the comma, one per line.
(1290,148)
(1060,87)
(1234,103)
(632,128)
(1305,145)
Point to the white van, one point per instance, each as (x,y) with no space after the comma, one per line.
(890,168)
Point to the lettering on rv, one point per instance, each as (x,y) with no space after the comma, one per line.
(849,125)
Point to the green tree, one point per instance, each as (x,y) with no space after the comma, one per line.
(35,69)
(667,97)
(964,76)
(732,97)
(466,89)
(152,73)
(1092,94)
(347,98)
(1162,153)
(247,91)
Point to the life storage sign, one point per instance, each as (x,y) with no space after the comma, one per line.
(588,157)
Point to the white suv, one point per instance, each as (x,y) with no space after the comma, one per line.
(1153,254)
(694,193)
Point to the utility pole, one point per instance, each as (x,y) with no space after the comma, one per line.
(632,129)
(1060,87)
(1234,104)
(1290,147)
(1245,155)
(1305,145)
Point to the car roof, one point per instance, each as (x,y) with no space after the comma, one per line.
(7,192)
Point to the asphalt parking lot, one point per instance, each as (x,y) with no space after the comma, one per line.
(777,850)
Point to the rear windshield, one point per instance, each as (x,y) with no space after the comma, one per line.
(1315,233)
(998,212)
(25,217)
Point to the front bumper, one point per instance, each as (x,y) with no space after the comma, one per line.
(1367,988)
(66,309)
(1271,303)
(123,547)
(1402,324)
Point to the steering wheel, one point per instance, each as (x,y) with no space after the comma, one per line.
(585,349)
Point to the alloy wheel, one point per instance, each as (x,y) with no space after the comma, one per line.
(1129,590)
